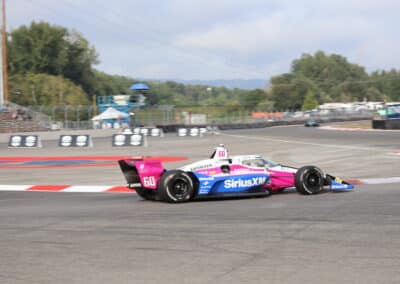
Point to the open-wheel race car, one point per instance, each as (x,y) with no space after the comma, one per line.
(224,176)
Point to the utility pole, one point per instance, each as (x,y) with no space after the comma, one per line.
(3,57)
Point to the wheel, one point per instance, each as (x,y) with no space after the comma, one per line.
(176,186)
(147,194)
(309,180)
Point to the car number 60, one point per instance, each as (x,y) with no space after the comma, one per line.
(149,181)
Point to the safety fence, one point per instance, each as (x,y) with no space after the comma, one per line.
(79,117)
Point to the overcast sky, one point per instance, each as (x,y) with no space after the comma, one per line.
(221,39)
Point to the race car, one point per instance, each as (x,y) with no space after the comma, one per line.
(224,176)
(311,123)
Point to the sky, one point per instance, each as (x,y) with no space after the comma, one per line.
(221,39)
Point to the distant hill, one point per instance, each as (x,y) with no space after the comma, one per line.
(245,84)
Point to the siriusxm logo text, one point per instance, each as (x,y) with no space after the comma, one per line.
(232,183)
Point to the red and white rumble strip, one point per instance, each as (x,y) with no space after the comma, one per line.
(122,188)
(66,188)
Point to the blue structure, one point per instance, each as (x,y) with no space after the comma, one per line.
(139,87)
(125,103)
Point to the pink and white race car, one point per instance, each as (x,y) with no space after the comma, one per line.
(223,175)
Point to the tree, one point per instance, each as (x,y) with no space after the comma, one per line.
(328,77)
(387,83)
(288,91)
(39,48)
(49,49)
(81,58)
(252,98)
(44,89)
(310,102)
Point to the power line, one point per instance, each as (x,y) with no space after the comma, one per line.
(331,82)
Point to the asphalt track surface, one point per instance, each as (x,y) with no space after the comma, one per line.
(284,238)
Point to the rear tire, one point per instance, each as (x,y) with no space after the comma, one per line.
(176,186)
(309,180)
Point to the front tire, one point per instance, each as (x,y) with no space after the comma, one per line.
(309,180)
(176,186)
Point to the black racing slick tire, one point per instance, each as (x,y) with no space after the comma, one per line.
(147,194)
(176,186)
(309,180)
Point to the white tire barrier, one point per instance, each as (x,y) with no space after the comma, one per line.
(156,132)
(24,141)
(182,132)
(75,141)
(212,130)
(192,132)
(149,131)
(123,140)
(197,131)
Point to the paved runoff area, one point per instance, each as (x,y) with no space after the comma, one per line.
(90,237)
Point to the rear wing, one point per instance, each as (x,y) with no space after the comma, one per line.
(141,173)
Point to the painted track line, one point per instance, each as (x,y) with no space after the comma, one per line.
(376,180)
(335,146)
(67,188)
(356,129)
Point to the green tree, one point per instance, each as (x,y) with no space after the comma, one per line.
(81,58)
(387,83)
(310,102)
(39,48)
(44,89)
(328,77)
(50,49)
(251,99)
(288,91)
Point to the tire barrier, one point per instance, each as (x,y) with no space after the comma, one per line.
(123,140)
(197,131)
(182,132)
(212,130)
(75,141)
(156,132)
(149,131)
(24,141)
(393,123)
(192,132)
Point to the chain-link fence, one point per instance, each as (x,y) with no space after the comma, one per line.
(213,115)
(79,117)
